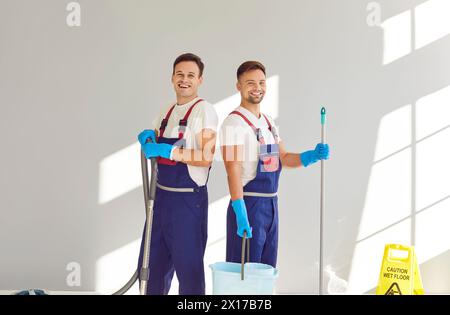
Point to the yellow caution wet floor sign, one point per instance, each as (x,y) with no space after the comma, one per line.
(399,272)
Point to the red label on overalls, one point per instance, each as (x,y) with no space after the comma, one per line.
(270,157)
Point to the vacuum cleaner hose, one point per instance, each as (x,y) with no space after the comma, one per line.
(149,197)
(128,285)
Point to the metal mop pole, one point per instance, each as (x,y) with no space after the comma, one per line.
(322,194)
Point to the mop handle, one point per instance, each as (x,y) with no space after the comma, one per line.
(243,253)
(322,177)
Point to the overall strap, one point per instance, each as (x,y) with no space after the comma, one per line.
(257,131)
(164,122)
(183,122)
(272,130)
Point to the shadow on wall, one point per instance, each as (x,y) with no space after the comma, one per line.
(86,93)
(407,189)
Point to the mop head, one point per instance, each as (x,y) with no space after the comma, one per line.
(31,292)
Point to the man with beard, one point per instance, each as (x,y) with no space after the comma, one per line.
(253,154)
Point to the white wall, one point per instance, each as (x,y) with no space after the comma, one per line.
(73,100)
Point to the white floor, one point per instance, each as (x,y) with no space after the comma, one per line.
(10,292)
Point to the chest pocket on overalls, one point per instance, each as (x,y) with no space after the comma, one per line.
(269,155)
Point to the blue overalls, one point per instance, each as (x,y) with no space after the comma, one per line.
(261,201)
(179,229)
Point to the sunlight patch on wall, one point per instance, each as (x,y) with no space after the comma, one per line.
(433,169)
(433,112)
(119,173)
(215,248)
(368,255)
(432,21)
(396,37)
(115,268)
(394,132)
(388,197)
(432,231)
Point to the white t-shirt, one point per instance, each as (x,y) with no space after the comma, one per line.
(203,116)
(236,131)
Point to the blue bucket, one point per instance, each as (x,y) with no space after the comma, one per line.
(259,279)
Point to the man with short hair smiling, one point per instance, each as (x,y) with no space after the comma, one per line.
(183,141)
(253,154)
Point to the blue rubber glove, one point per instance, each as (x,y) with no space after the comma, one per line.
(241,218)
(152,150)
(144,135)
(321,152)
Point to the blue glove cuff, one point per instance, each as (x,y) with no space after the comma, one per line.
(239,206)
(166,150)
(146,134)
(241,218)
(153,150)
(308,157)
(321,152)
